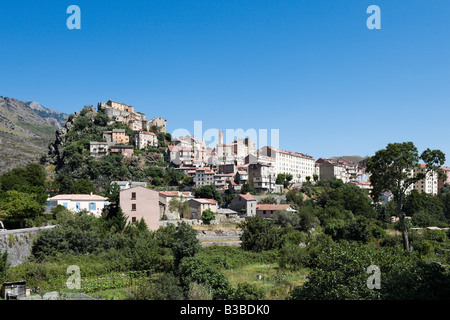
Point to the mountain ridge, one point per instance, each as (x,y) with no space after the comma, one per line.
(26,129)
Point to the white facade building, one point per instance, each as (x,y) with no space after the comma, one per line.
(77,202)
(145,138)
(299,165)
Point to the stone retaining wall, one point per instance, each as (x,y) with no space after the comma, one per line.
(18,244)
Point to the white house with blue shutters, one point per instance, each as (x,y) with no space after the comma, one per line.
(77,202)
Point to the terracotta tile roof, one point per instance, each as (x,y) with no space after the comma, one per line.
(247,197)
(175,194)
(79,197)
(296,154)
(273,207)
(204,200)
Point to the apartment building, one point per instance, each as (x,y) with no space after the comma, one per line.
(262,177)
(145,138)
(429,184)
(299,165)
(203,176)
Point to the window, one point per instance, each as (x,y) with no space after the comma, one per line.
(133,219)
(133,196)
(77,206)
(92,206)
(65,204)
(133,207)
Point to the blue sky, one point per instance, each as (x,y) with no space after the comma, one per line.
(311,69)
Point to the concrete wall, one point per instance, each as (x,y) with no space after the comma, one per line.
(18,243)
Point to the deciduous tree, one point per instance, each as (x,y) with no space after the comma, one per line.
(392,169)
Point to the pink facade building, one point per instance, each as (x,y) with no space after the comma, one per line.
(141,202)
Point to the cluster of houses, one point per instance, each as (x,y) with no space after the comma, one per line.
(140,202)
(116,140)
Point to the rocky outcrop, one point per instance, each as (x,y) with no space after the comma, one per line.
(25,132)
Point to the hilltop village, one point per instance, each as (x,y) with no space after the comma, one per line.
(238,168)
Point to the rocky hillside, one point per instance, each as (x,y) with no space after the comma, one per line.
(26,129)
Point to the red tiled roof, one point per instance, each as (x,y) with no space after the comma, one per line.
(204,200)
(296,154)
(247,197)
(273,207)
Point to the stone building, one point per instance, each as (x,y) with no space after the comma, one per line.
(244,203)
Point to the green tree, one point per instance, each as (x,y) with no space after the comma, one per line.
(33,175)
(181,206)
(259,234)
(20,206)
(82,186)
(207,216)
(268,200)
(208,191)
(284,179)
(167,287)
(3,265)
(247,188)
(113,218)
(285,218)
(166,236)
(293,256)
(390,169)
(194,269)
(294,197)
(186,243)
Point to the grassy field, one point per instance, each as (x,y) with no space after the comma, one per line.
(275,282)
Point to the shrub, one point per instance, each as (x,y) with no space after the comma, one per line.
(194,269)
(208,216)
(248,291)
